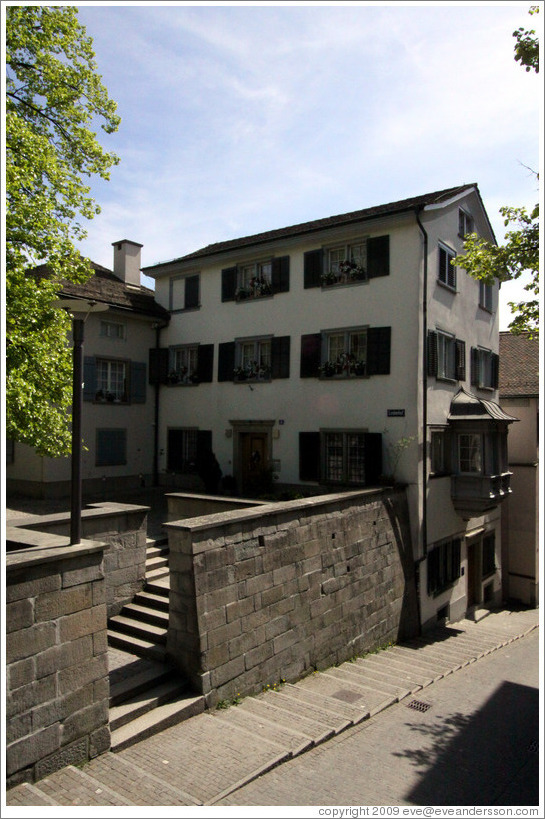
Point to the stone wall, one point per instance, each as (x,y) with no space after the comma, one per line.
(57,685)
(186,505)
(271,593)
(122,526)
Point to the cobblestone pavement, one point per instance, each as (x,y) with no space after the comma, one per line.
(221,758)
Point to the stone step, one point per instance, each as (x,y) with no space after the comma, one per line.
(135,645)
(71,786)
(129,687)
(29,795)
(402,668)
(389,675)
(310,728)
(145,701)
(375,698)
(152,600)
(138,628)
(437,667)
(320,684)
(155,562)
(460,655)
(157,573)
(134,783)
(146,613)
(362,676)
(157,720)
(352,713)
(158,586)
(159,540)
(282,700)
(266,729)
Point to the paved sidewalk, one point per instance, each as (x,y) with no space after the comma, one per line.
(204,759)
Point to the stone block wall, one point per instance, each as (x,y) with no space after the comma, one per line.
(57,685)
(271,593)
(122,527)
(186,505)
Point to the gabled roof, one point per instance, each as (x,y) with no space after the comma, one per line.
(105,287)
(353,217)
(519,365)
(467,407)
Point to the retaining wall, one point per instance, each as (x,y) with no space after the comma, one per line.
(57,685)
(271,593)
(123,527)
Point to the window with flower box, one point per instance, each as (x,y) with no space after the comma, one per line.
(111,380)
(347,262)
(255,279)
(117,381)
(260,358)
(346,353)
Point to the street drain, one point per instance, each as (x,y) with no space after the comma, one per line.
(418,705)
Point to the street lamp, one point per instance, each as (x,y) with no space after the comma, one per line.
(73,306)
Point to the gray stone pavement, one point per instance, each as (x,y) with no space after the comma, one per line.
(221,758)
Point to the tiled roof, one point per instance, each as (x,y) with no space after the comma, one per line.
(320,224)
(107,288)
(519,365)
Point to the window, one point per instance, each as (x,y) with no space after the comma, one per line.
(447,272)
(484,368)
(489,555)
(344,457)
(260,358)
(253,360)
(184,362)
(446,356)
(465,223)
(438,464)
(255,279)
(111,380)
(111,448)
(354,351)
(184,446)
(340,456)
(470,452)
(112,329)
(443,565)
(347,262)
(485,296)
(345,353)
(184,293)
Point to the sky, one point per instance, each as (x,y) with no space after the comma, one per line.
(244,117)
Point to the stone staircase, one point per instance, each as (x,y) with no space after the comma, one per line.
(147,692)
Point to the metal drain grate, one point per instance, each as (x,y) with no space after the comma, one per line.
(418,705)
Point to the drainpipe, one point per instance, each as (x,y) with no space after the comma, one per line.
(424,526)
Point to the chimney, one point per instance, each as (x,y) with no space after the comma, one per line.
(127,261)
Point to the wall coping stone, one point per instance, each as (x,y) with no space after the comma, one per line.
(101,509)
(243,502)
(50,548)
(269,509)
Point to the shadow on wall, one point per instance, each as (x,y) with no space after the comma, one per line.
(397,509)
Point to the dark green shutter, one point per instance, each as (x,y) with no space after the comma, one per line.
(373,457)
(378,257)
(495,371)
(314,267)
(138,382)
(158,365)
(191,292)
(460,360)
(474,367)
(311,351)
(432,353)
(280,355)
(226,361)
(378,350)
(89,378)
(280,278)
(205,363)
(309,456)
(228,283)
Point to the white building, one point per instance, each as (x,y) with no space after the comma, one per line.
(344,352)
(119,408)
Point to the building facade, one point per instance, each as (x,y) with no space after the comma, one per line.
(519,394)
(347,352)
(119,408)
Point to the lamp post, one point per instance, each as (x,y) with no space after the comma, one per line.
(77,306)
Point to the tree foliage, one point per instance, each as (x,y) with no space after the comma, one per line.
(520,253)
(54,101)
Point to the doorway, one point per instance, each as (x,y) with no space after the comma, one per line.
(253,456)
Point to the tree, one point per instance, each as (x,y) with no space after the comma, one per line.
(520,253)
(53,96)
